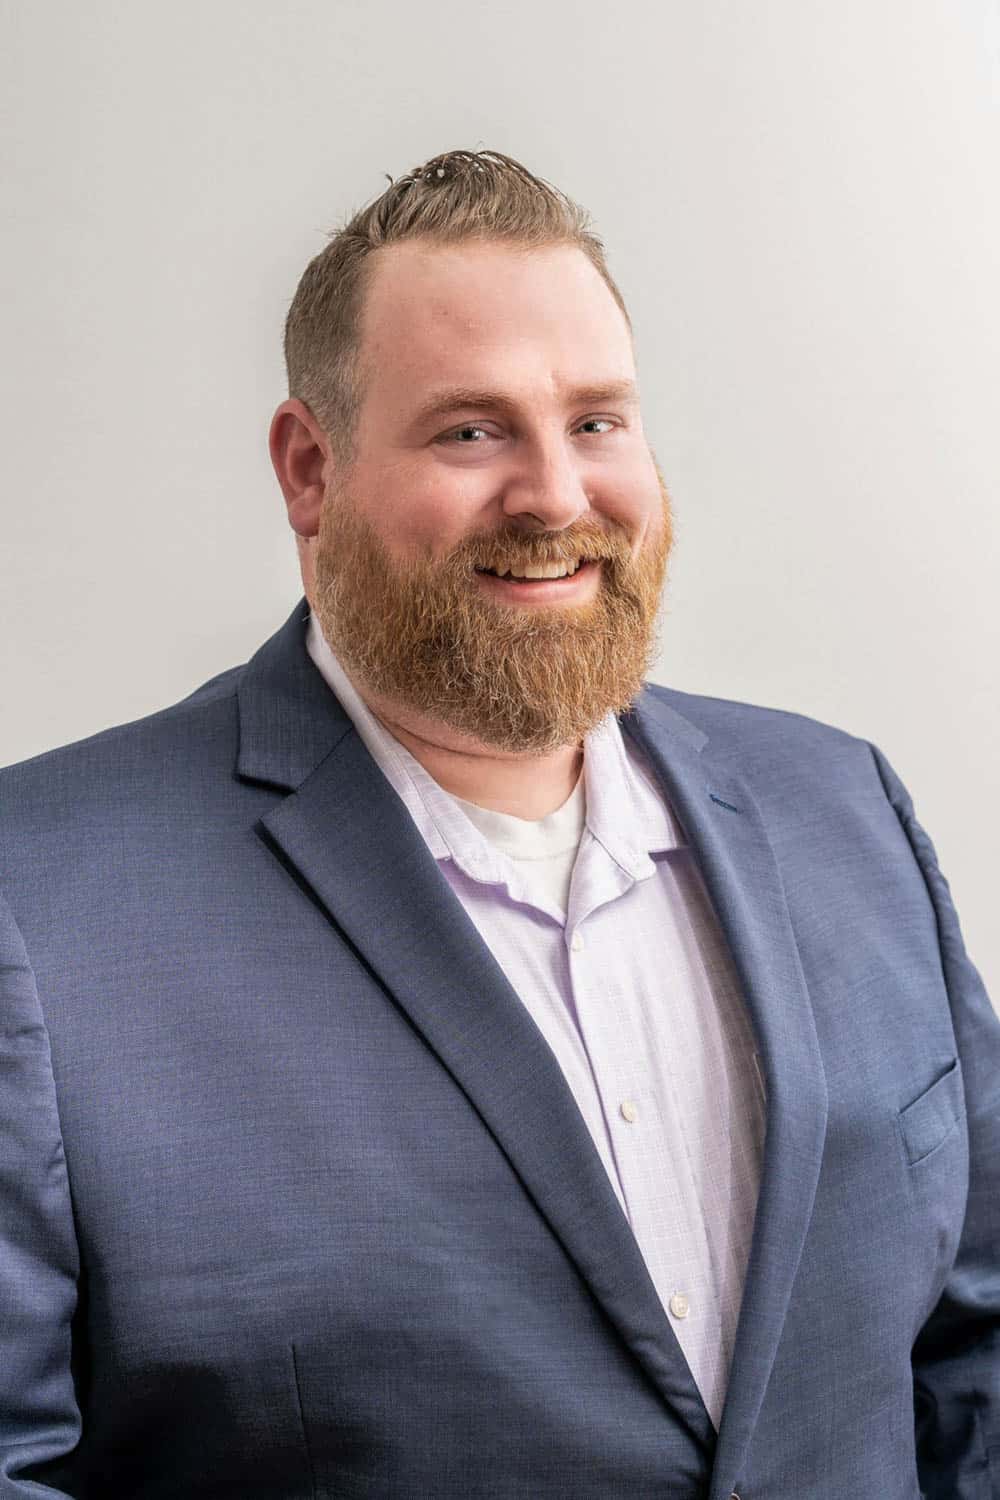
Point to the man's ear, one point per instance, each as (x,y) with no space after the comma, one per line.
(299,451)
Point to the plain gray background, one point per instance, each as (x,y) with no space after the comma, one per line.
(798,199)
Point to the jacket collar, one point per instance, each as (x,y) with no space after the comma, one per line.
(289,719)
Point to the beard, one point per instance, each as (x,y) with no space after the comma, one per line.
(520,679)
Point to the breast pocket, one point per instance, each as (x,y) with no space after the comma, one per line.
(928,1121)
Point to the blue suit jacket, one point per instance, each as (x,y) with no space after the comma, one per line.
(295,1201)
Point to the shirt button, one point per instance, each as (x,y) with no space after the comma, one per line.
(576,942)
(628,1111)
(679,1305)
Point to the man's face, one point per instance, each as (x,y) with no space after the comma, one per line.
(554,468)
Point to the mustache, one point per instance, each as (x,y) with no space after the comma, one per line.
(541,552)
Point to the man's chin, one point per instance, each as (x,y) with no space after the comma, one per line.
(517,678)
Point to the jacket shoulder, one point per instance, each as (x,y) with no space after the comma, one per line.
(730,721)
(190,734)
(788,758)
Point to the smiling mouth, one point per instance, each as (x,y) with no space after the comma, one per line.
(548,574)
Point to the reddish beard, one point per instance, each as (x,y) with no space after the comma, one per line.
(528,679)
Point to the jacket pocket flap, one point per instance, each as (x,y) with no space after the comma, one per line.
(932,1115)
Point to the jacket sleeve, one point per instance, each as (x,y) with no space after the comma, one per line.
(956,1356)
(39,1417)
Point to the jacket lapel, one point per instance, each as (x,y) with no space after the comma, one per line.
(725,828)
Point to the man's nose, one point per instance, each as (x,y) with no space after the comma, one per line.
(547,484)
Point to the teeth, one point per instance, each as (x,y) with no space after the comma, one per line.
(550,570)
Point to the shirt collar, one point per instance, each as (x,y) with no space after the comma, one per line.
(626,811)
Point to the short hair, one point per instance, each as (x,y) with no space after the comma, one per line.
(457,196)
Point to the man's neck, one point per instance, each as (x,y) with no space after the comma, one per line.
(530,786)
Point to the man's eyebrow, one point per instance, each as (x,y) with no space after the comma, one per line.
(454,398)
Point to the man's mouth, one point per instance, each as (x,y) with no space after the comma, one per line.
(543,586)
(537,573)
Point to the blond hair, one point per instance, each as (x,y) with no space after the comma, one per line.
(459,195)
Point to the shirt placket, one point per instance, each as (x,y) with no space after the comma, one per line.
(647,1136)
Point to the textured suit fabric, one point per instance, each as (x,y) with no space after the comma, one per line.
(294,1201)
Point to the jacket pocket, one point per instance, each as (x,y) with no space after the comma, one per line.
(933,1115)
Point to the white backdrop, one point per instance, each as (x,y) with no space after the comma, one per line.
(799,201)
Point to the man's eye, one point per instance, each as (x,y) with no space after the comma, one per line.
(471,427)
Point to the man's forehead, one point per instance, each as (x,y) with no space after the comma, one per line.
(444,289)
(487,326)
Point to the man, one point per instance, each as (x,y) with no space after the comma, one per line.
(436,1064)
